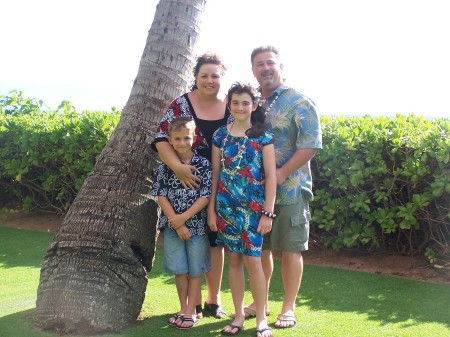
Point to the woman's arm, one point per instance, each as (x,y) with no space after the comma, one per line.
(215,161)
(183,171)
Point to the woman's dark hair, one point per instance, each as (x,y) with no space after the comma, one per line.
(258,117)
(207,58)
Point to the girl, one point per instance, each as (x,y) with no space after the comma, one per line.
(242,199)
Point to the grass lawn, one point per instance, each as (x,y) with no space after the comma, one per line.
(332,302)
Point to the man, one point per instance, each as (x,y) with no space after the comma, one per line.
(293,119)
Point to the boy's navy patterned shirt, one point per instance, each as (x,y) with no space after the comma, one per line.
(166,184)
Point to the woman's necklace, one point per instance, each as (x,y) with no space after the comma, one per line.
(240,153)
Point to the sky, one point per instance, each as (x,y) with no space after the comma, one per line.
(351,57)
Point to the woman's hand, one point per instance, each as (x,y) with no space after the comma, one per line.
(183,171)
(186,177)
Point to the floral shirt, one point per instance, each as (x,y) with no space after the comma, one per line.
(166,184)
(294,121)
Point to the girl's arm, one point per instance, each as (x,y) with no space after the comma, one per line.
(268,155)
(215,161)
(183,171)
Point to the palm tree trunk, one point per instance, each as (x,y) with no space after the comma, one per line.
(94,274)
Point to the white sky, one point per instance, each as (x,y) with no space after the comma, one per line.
(351,57)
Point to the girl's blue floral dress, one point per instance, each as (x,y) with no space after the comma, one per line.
(240,193)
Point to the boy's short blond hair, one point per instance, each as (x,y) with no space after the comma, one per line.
(181,122)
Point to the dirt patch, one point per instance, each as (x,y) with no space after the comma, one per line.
(42,222)
(415,268)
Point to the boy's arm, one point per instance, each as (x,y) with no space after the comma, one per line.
(182,230)
(178,220)
(166,207)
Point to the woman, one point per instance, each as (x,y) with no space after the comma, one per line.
(207,105)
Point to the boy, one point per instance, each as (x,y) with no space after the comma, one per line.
(183,221)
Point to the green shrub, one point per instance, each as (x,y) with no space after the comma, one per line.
(46,156)
(379,183)
(17,104)
(383,183)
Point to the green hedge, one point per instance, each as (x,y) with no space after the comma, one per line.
(46,156)
(380,183)
(383,183)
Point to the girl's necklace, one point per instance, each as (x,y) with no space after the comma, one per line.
(240,153)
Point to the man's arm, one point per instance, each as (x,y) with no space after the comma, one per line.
(298,159)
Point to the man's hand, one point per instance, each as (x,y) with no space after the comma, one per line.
(281,177)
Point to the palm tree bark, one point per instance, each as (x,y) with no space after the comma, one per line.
(94,274)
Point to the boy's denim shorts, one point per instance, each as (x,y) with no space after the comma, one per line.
(290,229)
(186,257)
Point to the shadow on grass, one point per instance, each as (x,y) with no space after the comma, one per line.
(21,248)
(382,298)
(157,326)
(20,325)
